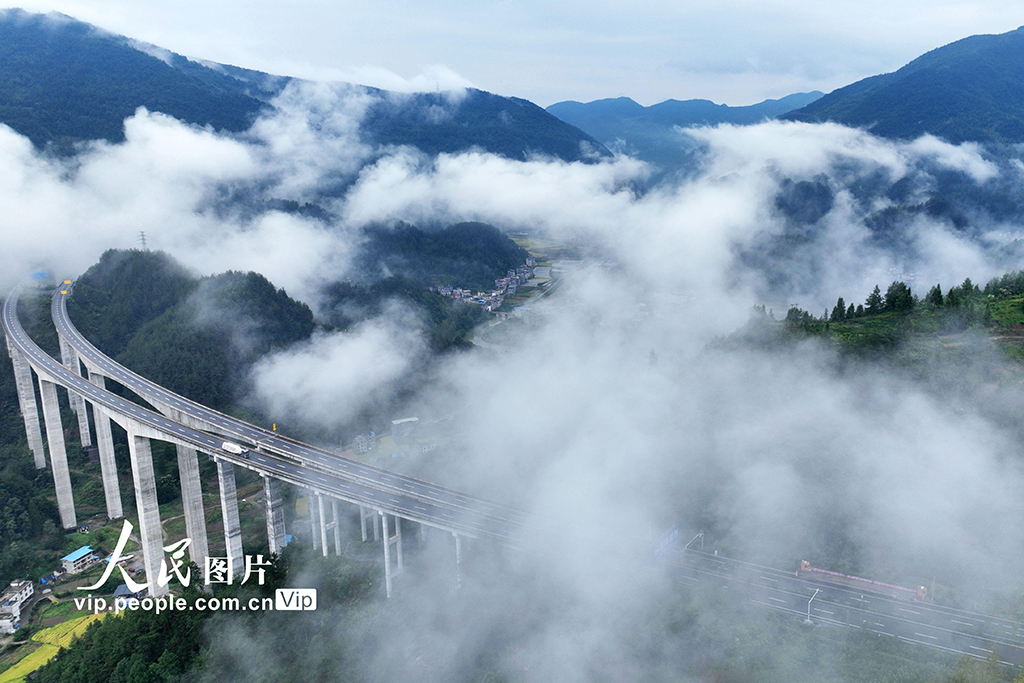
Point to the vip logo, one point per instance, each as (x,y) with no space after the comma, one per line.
(295,599)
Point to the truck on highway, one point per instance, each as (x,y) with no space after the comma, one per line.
(806,571)
(236,449)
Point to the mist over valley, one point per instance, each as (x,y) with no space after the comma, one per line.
(684,347)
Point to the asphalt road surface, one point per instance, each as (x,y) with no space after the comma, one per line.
(359,490)
(912,621)
(268,441)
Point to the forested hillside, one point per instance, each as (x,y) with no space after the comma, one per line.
(651,133)
(449,324)
(470,255)
(63,81)
(972,89)
(196,336)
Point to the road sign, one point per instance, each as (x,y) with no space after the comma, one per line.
(668,540)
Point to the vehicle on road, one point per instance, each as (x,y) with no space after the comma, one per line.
(806,571)
(236,449)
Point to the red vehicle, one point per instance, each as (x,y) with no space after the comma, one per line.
(806,571)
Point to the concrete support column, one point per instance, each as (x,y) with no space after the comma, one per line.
(58,454)
(275,514)
(337,526)
(27,402)
(69,358)
(322,509)
(229,513)
(366,513)
(192,501)
(396,540)
(105,444)
(314,520)
(148,508)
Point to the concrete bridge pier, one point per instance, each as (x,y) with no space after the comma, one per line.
(322,514)
(275,514)
(192,501)
(366,513)
(389,540)
(229,512)
(27,402)
(69,359)
(105,444)
(336,521)
(150,529)
(314,519)
(58,454)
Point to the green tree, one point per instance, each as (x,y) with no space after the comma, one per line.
(874,303)
(935,297)
(898,297)
(838,311)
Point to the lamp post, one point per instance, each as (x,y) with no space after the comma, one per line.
(808,619)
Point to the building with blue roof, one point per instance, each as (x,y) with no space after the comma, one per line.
(78,560)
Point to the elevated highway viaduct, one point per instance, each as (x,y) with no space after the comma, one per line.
(383,497)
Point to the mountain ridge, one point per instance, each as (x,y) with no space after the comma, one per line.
(651,134)
(63,81)
(969,90)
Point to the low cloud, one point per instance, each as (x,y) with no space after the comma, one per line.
(433,78)
(614,414)
(333,377)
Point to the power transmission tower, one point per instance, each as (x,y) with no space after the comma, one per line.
(142,240)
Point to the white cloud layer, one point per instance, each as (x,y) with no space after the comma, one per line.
(580,423)
(334,376)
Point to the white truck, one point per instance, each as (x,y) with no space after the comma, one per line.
(236,449)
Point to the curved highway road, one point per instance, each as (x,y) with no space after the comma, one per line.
(354,490)
(269,441)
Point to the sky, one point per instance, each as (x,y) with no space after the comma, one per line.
(734,51)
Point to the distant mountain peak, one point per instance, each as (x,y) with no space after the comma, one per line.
(971,89)
(651,132)
(63,81)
